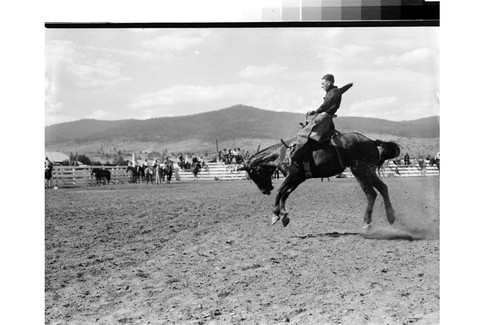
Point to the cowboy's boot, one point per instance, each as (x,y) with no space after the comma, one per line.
(299,153)
(299,156)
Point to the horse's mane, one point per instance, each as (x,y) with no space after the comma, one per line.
(266,151)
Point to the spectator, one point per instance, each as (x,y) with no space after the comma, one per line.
(187,162)
(407,159)
(180,161)
(234,154)
(135,164)
(48,163)
(48,172)
(225,156)
(157,171)
(246,155)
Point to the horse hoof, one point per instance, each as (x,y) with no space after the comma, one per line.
(275,219)
(285,221)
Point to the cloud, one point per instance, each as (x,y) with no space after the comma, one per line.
(138,54)
(100,115)
(178,40)
(375,107)
(197,94)
(179,99)
(311,33)
(393,77)
(354,55)
(416,110)
(392,108)
(97,74)
(409,57)
(354,49)
(52,105)
(254,72)
(72,67)
(58,118)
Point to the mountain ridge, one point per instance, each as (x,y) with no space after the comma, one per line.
(239,121)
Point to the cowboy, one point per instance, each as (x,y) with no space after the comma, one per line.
(321,126)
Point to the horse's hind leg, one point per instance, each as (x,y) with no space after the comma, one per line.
(383,189)
(366,184)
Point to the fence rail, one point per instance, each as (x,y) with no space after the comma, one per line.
(77,176)
(73,176)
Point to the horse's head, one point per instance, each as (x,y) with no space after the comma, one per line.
(262,165)
(261,175)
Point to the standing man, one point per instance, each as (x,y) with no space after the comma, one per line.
(321,125)
(407,159)
(48,163)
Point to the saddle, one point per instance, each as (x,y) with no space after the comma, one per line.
(330,137)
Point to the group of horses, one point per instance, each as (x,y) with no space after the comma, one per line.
(151,174)
(101,175)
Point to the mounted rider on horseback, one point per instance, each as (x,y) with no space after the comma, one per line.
(321,126)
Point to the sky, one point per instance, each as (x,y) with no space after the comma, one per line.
(111,74)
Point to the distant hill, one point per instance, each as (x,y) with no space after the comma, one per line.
(237,126)
(231,123)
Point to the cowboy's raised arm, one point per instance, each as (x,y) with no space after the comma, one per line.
(345,88)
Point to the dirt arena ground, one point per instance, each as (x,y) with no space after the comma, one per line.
(205,253)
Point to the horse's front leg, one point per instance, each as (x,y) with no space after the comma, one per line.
(277,203)
(276,210)
(279,206)
(285,197)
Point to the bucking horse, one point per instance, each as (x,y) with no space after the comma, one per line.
(329,158)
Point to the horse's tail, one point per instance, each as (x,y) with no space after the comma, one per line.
(390,150)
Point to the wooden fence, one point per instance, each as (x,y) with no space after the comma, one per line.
(72,176)
(76,176)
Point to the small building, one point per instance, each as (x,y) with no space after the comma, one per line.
(56,157)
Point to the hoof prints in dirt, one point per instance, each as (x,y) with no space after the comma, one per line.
(136,255)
